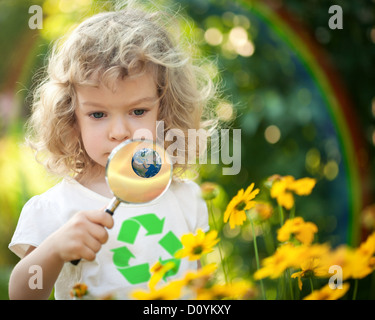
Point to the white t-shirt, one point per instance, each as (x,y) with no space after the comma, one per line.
(142,235)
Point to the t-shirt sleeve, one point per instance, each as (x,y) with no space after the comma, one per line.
(202,212)
(193,207)
(36,222)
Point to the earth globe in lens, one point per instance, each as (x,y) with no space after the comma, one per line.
(146,163)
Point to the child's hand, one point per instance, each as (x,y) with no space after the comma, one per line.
(82,236)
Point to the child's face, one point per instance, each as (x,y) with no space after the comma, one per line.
(106,118)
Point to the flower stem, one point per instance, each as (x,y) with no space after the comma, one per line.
(281,211)
(257,257)
(290,285)
(355,289)
(292,212)
(372,287)
(281,288)
(270,246)
(223,263)
(311,285)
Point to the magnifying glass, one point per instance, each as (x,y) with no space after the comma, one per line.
(137,172)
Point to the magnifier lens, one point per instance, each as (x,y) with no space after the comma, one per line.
(138,171)
(146,163)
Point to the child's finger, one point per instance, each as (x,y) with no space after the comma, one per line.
(99,233)
(100,217)
(88,254)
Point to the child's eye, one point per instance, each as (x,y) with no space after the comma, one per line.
(97,115)
(139,112)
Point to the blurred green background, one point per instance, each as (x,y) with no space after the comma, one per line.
(302,94)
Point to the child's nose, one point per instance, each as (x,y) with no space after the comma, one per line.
(119,130)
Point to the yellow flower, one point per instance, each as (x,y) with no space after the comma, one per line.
(355,263)
(209,190)
(303,187)
(360,265)
(170,291)
(301,230)
(197,245)
(198,279)
(79,290)
(310,268)
(289,256)
(262,211)
(158,270)
(326,293)
(282,188)
(236,209)
(361,262)
(284,257)
(235,290)
(367,248)
(339,257)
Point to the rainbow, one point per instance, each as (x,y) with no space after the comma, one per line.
(333,93)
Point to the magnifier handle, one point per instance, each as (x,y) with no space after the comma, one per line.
(112,206)
(75,262)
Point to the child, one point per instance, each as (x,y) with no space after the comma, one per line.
(116,73)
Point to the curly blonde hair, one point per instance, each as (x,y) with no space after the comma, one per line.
(111,46)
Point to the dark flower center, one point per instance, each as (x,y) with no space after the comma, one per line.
(241,206)
(197,250)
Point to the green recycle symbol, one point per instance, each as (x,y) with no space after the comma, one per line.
(128,233)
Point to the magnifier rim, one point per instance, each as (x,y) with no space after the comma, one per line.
(119,147)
